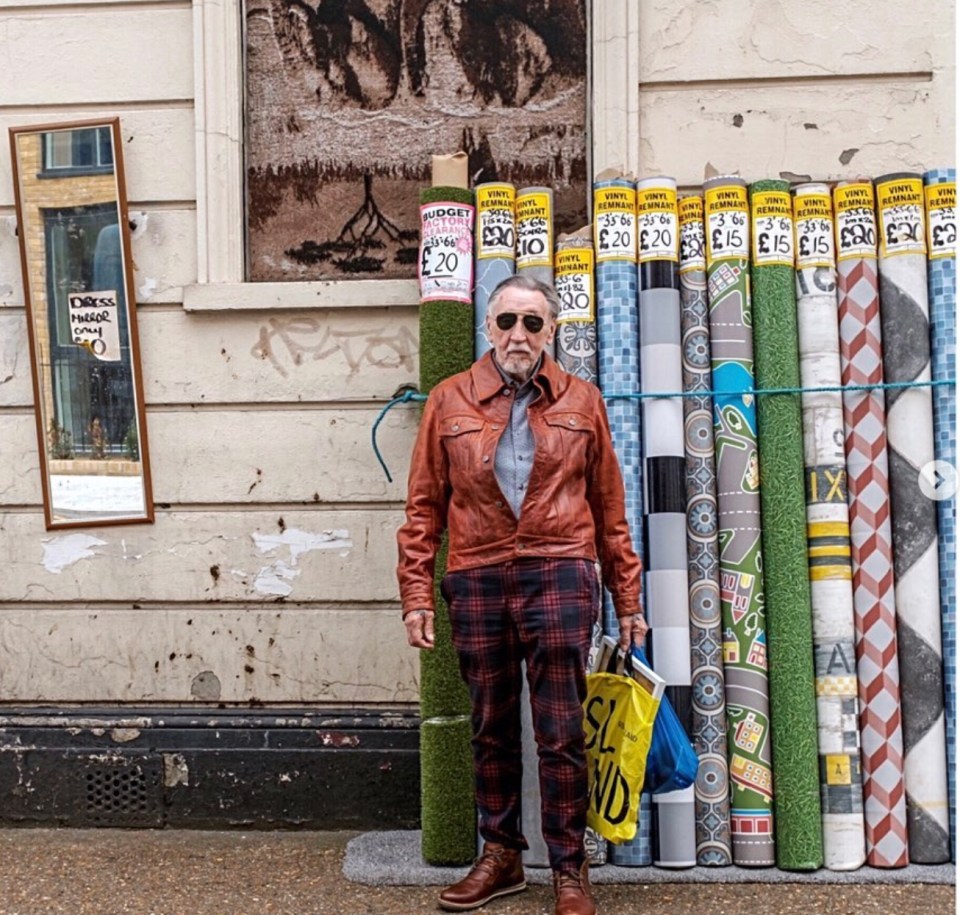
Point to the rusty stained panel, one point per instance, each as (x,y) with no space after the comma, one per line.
(348,99)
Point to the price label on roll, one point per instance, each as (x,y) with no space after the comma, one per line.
(534,230)
(856,225)
(900,202)
(446,252)
(692,242)
(813,215)
(772,229)
(615,224)
(727,227)
(657,236)
(941,202)
(496,221)
(573,280)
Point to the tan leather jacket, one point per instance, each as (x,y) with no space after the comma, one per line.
(574,507)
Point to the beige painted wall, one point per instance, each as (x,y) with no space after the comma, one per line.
(269,573)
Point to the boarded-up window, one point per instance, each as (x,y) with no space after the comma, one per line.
(348,99)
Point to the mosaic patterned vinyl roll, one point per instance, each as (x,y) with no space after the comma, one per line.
(495,251)
(941,196)
(871,535)
(709,720)
(535,239)
(828,532)
(577,324)
(618,364)
(904,314)
(664,466)
(786,585)
(448,815)
(738,498)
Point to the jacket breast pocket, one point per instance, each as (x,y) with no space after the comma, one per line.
(571,434)
(462,438)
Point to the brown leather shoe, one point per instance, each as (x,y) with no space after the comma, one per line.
(497,872)
(573,892)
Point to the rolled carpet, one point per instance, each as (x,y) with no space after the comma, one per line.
(738,498)
(709,719)
(664,466)
(786,584)
(535,237)
(904,314)
(577,322)
(940,193)
(446,346)
(828,524)
(495,250)
(871,535)
(618,367)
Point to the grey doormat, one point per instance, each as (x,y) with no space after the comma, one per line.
(393,859)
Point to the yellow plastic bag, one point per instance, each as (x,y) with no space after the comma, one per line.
(618,725)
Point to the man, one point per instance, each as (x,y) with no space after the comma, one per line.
(514,459)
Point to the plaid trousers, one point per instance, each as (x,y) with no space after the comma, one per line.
(540,611)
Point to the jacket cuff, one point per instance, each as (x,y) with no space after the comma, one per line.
(423,602)
(627,605)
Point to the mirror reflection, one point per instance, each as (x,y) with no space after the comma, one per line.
(75,249)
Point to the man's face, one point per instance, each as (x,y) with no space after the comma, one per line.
(517,348)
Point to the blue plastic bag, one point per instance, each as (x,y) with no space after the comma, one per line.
(672,762)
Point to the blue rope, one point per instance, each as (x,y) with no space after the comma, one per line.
(408,396)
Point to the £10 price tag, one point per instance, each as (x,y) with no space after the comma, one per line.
(534,230)
(900,202)
(941,202)
(814,221)
(657,238)
(446,252)
(772,229)
(615,224)
(727,227)
(692,242)
(574,284)
(856,224)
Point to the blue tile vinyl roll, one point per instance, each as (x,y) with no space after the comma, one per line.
(709,719)
(905,318)
(495,256)
(664,468)
(618,368)
(940,192)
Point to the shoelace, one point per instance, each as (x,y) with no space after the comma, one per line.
(569,880)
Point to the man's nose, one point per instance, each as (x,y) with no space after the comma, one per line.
(517,332)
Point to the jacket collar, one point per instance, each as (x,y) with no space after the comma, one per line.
(487,380)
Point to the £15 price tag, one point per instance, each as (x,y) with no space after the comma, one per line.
(941,202)
(574,284)
(856,224)
(727,218)
(657,238)
(900,202)
(772,229)
(692,242)
(446,252)
(615,224)
(814,221)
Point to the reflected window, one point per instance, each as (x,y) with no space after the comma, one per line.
(77,151)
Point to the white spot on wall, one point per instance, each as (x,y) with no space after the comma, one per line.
(64,551)
(138,223)
(147,288)
(301,542)
(272,579)
(175,770)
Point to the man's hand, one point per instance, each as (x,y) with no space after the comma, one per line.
(633,630)
(419,625)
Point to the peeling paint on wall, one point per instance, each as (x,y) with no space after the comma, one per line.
(64,551)
(274,579)
(175,770)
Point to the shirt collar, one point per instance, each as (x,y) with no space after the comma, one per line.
(489,378)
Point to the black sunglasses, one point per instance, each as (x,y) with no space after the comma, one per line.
(532,323)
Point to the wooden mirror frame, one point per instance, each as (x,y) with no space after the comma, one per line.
(53,523)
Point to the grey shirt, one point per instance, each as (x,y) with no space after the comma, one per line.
(514,458)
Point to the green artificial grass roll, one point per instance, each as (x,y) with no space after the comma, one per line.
(799,840)
(448,813)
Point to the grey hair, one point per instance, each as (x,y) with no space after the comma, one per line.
(530,285)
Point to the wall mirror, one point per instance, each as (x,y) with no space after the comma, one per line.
(81,316)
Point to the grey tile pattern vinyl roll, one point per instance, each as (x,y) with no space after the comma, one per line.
(664,468)
(495,256)
(904,313)
(828,533)
(709,720)
(577,323)
(535,237)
